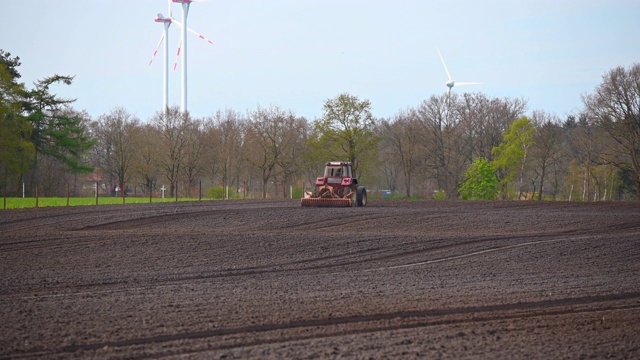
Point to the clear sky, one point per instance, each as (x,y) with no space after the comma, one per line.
(296,54)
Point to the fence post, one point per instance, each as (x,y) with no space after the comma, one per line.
(200,194)
(176,191)
(124,191)
(150,191)
(97,192)
(67,193)
(36,195)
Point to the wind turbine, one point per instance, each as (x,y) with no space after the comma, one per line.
(183,35)
(450,83)
(167,21)
(165,77)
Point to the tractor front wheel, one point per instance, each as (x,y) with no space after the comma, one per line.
(361,196)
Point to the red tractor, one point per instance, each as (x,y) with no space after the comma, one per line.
(337,188)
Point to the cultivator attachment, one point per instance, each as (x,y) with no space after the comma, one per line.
(326,202)
(327,198)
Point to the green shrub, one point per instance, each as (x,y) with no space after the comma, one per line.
(440,195)
(216,193)
(481,182)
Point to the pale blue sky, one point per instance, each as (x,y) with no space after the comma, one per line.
(298,53)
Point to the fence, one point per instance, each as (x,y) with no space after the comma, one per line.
(96,199)
(96,193)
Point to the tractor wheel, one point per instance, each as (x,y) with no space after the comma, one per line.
(361,196)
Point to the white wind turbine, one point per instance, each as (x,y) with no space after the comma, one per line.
(183,54)
(450,83)
(165,38)
(185,11)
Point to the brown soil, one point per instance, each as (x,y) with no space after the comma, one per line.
(269,279)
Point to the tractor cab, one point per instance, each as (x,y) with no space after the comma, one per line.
(335,172)
(337,169)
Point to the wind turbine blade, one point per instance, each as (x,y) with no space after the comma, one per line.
(157,47)
(170,16)
(175,66)
(445,65)
(179,24)
(200,36)
(467,83)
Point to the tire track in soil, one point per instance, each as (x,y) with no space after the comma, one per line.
(34,218)
(43,215)
(132,224)
(150,217)
(278,268)
(490,250)
(267,269)
(33,223)
(321,328)
(306,226)
(283,268)
(61,220)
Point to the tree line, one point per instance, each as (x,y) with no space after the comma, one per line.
(467,146)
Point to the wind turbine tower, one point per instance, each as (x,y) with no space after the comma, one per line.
(165,37)
(183,57)
(165,78)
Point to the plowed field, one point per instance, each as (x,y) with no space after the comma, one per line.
(269,279)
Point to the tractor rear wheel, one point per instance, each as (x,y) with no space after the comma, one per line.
(361,196)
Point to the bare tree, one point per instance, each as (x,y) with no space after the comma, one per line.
(102,155)
(586,140)
(224,133)
(432,114)
(546,147)
(268,137)
(615,108)
(389,171)
(445,157)
(147,138)
(294,142)
(173,127)
(486,120)
(194,151)
(403,144)
(116,146)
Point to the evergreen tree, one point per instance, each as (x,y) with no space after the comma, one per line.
(16,149)
(58,131)
(37,122)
